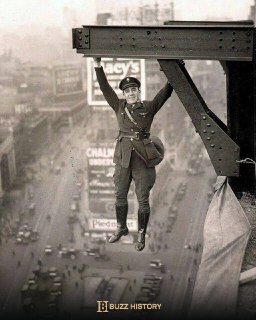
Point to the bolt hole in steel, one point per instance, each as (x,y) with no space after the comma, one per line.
(220,47)
(220,148)
(220,39)
(220,159)
(148,32)
(233,40)
(233,32)
(221,32)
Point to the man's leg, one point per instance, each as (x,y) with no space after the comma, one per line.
(144,179)
(122,180)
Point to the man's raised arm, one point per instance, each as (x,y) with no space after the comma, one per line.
(109,94)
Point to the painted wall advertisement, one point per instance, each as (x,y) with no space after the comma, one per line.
(67,79)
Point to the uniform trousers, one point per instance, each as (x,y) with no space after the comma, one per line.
(143,177)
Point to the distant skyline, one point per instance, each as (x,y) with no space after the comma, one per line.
(191,9)
(14,13)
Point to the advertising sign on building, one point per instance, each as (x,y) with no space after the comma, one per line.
(67,79)
(100,178)
(110,224)
(22,108)
(101,189)
(115,69)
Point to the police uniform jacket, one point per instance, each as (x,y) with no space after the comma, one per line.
(142,112)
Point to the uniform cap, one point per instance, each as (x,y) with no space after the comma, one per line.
(129,82)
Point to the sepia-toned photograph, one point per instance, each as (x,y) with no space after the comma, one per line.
(127,159)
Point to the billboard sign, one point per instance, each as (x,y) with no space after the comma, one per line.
(100,177)
(67,79)
(101,188)
(115,69)
(96,224)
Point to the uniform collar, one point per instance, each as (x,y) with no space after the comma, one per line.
(135,105)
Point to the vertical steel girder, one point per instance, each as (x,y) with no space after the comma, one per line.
(223,151)
(241,116)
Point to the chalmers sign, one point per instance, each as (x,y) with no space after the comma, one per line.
(101,189)
(115,69)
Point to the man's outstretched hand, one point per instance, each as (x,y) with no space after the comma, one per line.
(97,61)
(181,62)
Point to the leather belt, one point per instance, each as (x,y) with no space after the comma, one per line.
(134,135)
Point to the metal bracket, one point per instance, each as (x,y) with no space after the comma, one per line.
(223,151)
(81,38)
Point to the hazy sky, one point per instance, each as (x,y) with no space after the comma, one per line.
(50,12)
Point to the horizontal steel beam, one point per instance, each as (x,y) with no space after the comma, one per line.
(212,41)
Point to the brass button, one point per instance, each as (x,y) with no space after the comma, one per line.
(131,129)
(131,111)
(131,139)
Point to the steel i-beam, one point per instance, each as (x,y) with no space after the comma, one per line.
(212,41)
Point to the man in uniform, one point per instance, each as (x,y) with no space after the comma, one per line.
(132,160)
